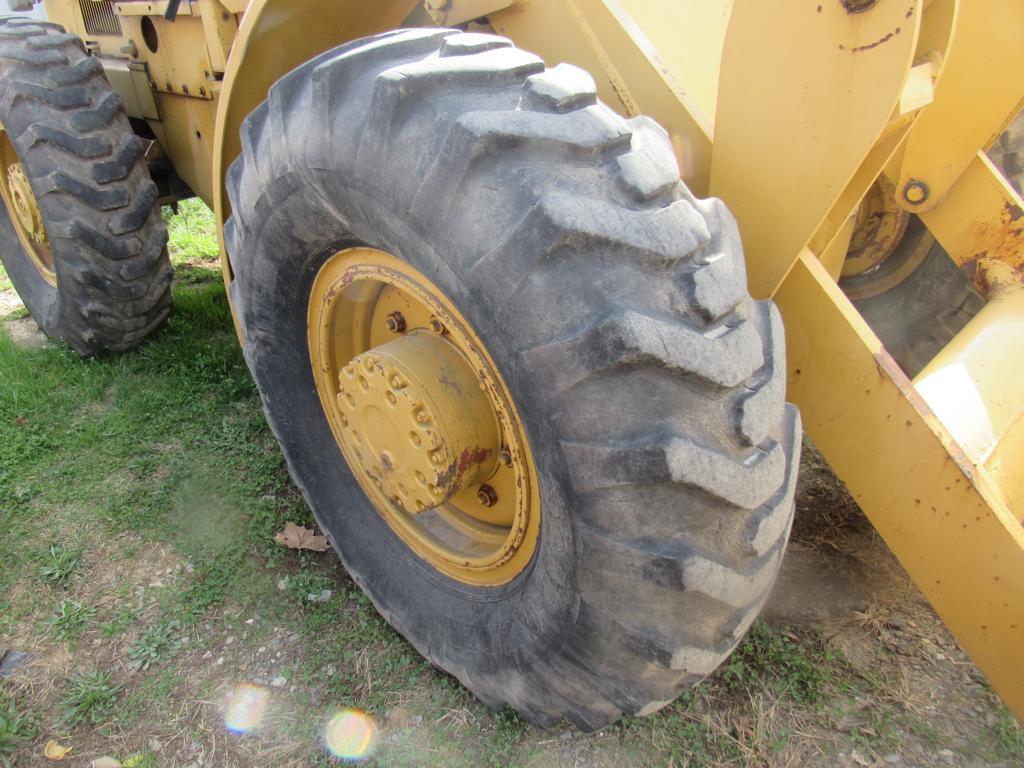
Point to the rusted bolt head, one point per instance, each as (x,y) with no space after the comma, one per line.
(858,6)
(437,326)
(184,89)
(915,192)
(396,322)
(505,456)
(487,496)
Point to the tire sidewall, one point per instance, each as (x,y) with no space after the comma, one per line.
(441,616)
(40,297)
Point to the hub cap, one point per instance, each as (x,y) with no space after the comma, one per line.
(422,417)
(24,210)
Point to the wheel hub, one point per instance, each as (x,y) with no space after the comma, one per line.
(23,209)
(422,417)
(417,421)
(23,200)
(877,230)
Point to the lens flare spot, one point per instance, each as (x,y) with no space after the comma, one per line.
(247,706)
(350,735)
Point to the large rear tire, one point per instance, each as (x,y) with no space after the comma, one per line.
(651,388)
(81,235)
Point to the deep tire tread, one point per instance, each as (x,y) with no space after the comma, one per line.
(89,174)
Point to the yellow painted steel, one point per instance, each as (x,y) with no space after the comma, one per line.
(933,506)
(275,36)
(978,89)
(975,386)
(980,217)
(805,92)
(23,208)
(423,417)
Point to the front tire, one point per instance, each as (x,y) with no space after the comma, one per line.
(650,387)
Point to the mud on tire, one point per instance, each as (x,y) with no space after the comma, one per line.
(95,194)
(615,305)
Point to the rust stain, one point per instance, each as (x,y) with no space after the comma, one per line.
(449,384)
(869,46)
(1000,241)
(442,479)
(470,458)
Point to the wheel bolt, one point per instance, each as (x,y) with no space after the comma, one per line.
(437,326)
(396,323)
(505,457)
(487,496)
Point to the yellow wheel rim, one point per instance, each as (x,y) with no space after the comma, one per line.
(24,209)
(422,417)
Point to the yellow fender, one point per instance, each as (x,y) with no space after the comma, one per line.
(275,37)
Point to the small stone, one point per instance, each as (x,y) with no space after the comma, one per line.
(220,661)
(155,745)
(262,649)
(106,762)
(229,641)
(940,657)
(208,655)
(946,754)
(10,660)
(282,584)
(278,682)
(249,621)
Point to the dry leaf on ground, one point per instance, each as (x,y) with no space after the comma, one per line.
(54,750)
(296,537)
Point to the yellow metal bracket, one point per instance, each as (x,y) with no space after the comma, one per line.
(933,506)
(783,154)
(978,88)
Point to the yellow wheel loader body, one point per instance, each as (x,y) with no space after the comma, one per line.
(789,112)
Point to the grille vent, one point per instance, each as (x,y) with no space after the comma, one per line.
(100,18)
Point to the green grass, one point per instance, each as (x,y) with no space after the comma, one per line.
(70,619)
(776,659)
(90,697)
(16,730)
(157,643)
(60,565)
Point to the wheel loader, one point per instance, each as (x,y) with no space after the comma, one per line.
(484,260)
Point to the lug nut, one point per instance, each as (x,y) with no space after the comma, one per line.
(437,326)
(396,322)
(505,457)
(487,496)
